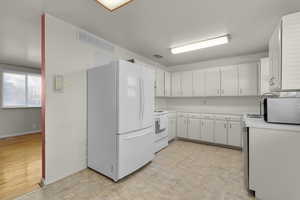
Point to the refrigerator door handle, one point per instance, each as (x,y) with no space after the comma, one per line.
(135,136)
(140,88)
(143,98)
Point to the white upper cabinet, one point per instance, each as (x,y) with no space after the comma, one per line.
(199,83)
(291,52)
(235,80)
(275,59)
(284,53)
(159,83)
(167,84)
(248,79)
(229,81)
(187,83)
(264,76)
(176,84)
(212,82)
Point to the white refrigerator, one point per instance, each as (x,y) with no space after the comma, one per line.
(120,118)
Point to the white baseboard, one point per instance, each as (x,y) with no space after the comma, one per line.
(19,134)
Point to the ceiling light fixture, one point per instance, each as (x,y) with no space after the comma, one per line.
(112,5)
(201,45)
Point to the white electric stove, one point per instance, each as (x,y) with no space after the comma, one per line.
(161,130)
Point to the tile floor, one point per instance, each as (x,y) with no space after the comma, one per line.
(182,171)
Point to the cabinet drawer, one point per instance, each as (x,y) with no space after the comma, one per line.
(136,147)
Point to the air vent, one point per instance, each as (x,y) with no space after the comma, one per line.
(95,41)
(157,56)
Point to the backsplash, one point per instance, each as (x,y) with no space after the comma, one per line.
(230,105)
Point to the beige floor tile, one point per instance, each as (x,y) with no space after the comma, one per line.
(182,171)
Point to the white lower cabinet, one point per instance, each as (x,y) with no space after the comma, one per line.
(225,130)
(220,132)
(207,130)
(182,127)
(194,130)
(234,133)
(172,128)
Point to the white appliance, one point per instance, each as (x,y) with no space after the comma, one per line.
(120,118)
(161,130)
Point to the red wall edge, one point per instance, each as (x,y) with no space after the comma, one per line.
(43,48)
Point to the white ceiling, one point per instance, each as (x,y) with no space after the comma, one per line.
(20,32)
(146,27)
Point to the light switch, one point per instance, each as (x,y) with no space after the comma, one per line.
(58,83)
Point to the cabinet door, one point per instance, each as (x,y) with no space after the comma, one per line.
(264,75)
(172,129)
(234,134)
(129,104)
(275,59)
(207,130)
(194,129)
(212,82)
(220,132)
(229,81)
(176,84)
(187,83)
(159,83)
(182,127)
(248,79)
(167,84)
(147,96)
(290,52)
(199,83)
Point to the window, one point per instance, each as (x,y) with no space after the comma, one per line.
(21,90)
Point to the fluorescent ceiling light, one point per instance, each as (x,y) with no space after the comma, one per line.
(201,45)
(113,4)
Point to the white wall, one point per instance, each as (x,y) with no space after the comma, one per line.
(65,116)
(230,105)
(17,121)
(222,105)
(160,104)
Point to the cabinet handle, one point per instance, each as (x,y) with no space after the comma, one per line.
(229,125)
(224,125)
(272,81)
(241,91)
(218,91)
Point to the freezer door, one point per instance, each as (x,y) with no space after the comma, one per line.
(134,151)
(147,94)
(129,97)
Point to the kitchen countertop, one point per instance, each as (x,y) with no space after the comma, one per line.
(260,123)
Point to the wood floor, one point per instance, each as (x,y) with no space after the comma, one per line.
(183,170)
(20,165)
